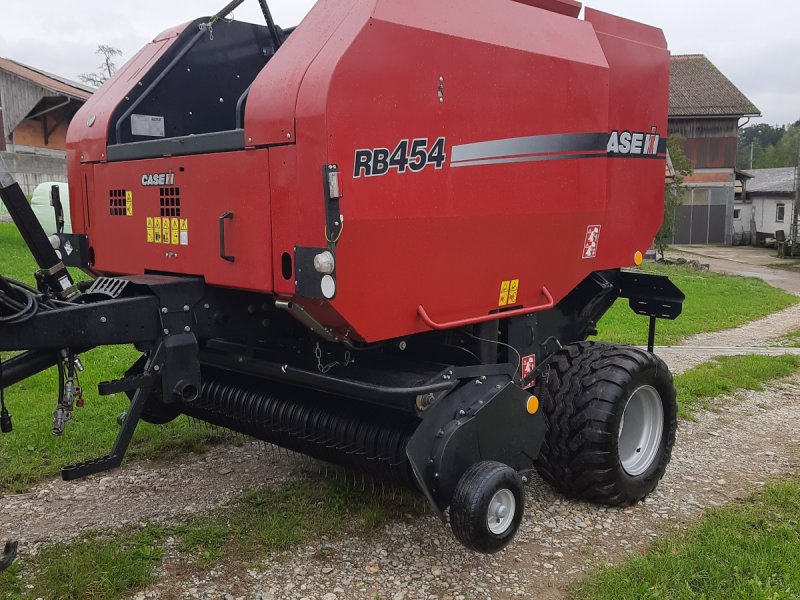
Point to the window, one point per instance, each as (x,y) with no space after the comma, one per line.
(780,213)
(737,214)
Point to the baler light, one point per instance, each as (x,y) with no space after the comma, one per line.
(328,287)
(334,187)
(638,258)
(533,405)
(325,263)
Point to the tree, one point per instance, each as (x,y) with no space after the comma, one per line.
(770,147)
(106,68)
(673,191)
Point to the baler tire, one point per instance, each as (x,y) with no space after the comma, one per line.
(473,497)
(583,400)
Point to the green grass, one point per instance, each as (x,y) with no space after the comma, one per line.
(791,340)
(280,519)
(100,567)
(713,302)
(31,453)
(726,374)
(112,565)
(750,549)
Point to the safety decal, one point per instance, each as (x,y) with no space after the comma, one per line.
(128,203)
(166,230)
(512,294)
(528,367)
(592,241)
(509,290)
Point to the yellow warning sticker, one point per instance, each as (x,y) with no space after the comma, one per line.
(129,203)
(504,290)
(513,292)
(167,230)
(174,238)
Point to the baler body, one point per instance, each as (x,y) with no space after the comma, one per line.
(380,239)
(489,158)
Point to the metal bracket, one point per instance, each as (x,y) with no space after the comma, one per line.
(114,460)
(331,186)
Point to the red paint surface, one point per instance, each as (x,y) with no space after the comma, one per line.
(366,74)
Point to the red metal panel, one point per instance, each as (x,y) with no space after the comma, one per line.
(273,97)
(540,94)
(638,100)
(564,7)
(207,186)
(448,239)
(626,29)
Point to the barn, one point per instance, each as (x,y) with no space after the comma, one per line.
(35,110)
(706,110)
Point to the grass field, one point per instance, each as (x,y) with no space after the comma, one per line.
(114,565)
(791,339)
(31,453)
(750,549)
(713,302)
(725,375)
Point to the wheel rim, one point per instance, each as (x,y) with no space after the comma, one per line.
(640,430)
(502,510)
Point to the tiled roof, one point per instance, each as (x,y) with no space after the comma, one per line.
(771,181)
(56,84)
(698,88)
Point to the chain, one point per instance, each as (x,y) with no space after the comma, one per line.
(209,27)
(324,369)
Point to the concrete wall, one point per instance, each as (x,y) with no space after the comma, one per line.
(764,210)
(31,169)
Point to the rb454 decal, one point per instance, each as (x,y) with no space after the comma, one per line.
(409,155)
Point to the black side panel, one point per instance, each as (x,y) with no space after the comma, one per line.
(203,77)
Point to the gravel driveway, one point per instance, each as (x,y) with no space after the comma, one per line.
(722,456)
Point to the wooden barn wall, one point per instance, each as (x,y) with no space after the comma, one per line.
(17,97)
(709,143)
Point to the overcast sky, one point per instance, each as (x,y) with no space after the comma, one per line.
(757,45)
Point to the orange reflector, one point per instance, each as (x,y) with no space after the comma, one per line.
(638,258)
(533,405)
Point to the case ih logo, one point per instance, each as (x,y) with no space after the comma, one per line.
(158,179)
(634,143)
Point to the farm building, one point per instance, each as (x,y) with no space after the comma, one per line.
(765,205)
(706,110)
(35,110)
